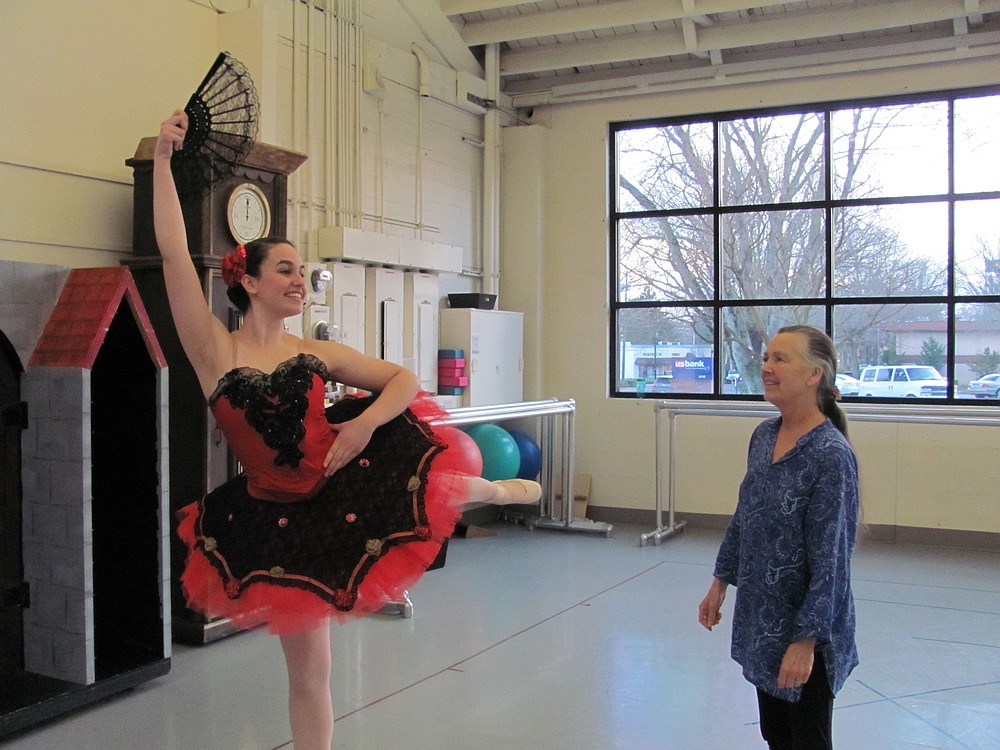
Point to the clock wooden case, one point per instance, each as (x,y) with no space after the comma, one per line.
(199,455)
(207,217)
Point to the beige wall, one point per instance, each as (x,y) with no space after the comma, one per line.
(83,83)
(923,476)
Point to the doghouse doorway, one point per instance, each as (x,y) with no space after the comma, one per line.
(11,569)
(128,619)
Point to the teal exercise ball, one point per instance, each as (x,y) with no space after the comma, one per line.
(501,457)
(531,455)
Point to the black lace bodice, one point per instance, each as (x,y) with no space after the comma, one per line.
(275,403)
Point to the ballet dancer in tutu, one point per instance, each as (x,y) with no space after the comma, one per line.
(338,509)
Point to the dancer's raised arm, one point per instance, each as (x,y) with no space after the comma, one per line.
(202,335)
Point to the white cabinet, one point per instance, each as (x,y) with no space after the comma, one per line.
(346,299)
(384,313)
(493,344)
(420,326)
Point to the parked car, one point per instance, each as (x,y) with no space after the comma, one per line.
(847,385)
(988,386)
(903,381)
(660,384)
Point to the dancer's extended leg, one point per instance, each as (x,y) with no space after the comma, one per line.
(503,491)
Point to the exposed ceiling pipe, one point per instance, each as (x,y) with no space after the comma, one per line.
(423,70)
(491,175)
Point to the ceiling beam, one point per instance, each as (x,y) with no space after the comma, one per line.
(673,8)
(765,30)
(690,35)
(601,16)
(457,7)
(663,77)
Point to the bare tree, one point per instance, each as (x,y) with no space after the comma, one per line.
(979,273)
(770,174)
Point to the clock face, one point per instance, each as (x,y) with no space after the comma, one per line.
(249,213)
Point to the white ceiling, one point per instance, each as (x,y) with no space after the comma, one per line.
(556,51)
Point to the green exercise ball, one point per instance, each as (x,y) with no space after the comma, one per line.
(501,456)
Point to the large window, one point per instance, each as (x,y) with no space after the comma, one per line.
(878,222)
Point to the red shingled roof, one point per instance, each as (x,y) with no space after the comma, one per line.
(77,327)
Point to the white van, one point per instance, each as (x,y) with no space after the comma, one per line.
(903,381)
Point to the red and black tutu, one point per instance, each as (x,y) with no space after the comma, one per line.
(369,533)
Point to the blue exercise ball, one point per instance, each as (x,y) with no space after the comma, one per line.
(531,455)
(501,457)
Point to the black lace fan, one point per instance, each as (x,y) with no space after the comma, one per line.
(222,125)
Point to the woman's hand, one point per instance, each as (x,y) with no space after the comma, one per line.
(710,609)
(352,437)
(172,133)
(797,663)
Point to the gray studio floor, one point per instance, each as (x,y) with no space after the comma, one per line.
(540,640)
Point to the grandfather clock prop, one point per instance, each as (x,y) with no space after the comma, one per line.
(249,203)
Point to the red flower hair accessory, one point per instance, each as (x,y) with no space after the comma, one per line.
(234,266)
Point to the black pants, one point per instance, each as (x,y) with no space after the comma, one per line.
(805,725)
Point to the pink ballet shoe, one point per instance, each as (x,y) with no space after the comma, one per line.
(516,492)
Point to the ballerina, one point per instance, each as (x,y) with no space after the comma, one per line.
(339,509)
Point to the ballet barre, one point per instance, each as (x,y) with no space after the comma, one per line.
(548,411)
(893,413)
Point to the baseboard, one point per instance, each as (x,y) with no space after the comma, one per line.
(977,540)
(963,539)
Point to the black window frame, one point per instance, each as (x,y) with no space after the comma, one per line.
(829,301)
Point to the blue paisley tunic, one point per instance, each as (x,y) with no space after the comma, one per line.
(788,552)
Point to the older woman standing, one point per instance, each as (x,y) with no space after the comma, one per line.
(788,548)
